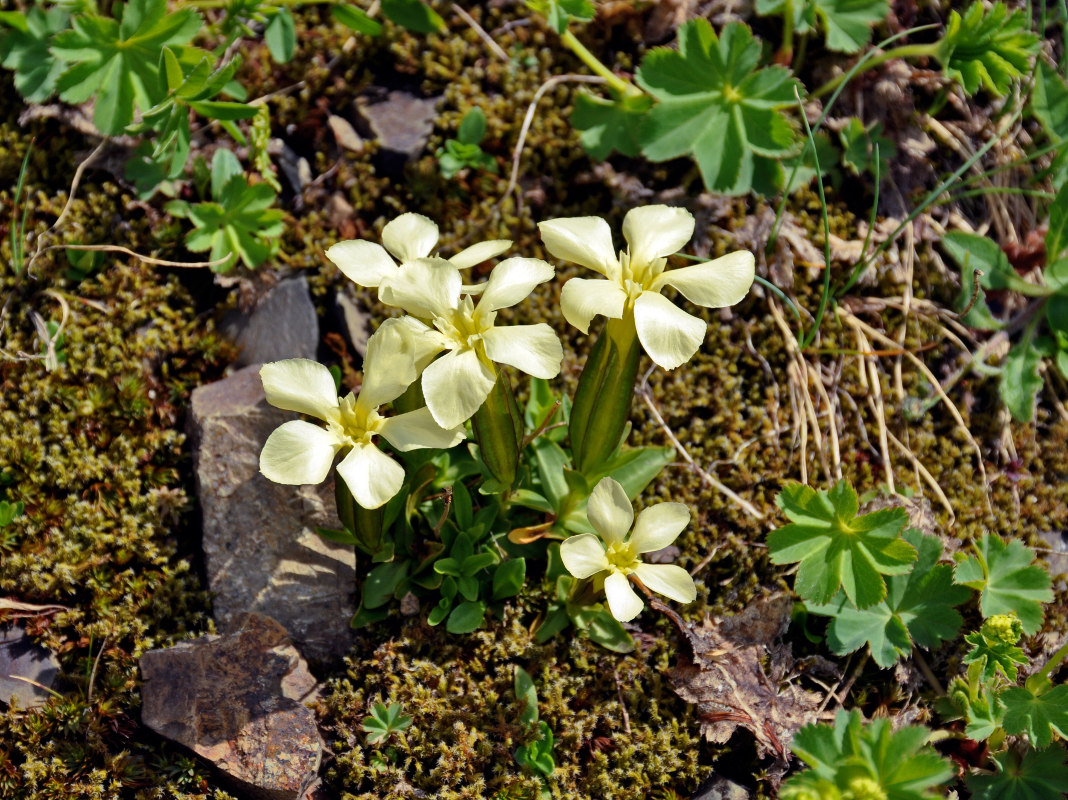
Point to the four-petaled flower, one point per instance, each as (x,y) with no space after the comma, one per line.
(299,452)
(408,237)
(636,277)
(611,551)
(445,317)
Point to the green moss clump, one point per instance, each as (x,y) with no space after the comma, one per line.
(464,732)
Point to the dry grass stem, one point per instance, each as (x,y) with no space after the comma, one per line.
(472,23)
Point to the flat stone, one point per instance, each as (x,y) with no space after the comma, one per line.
(401,122)
(236,700)
(283,325)
(21,657)
(260,546)
(344,134)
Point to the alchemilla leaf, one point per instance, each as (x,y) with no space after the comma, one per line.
(837,549)
(1008,580)
(918,609)
(1039,715)
(116,61)
(716,105)
(1037,775)
(988,49)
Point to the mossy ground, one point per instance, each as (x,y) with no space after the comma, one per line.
(95,450)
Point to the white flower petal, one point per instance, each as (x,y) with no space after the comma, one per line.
(669,580)
(410,236)
(583,555)
(396,354)
(582,299)
(609,510)
(658,526)
(417,429)
(301,385)
(654,232)
(363,263)
(512,281)
(455,386)
(372,476)
(298,453)
(533,349)
(669,335)
(581,240)
(425,288)
(623,601)
(719,283)
(477,253)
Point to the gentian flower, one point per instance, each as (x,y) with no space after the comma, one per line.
(636,277)
(408,237)
(447,319)
(612,553)
(299,452)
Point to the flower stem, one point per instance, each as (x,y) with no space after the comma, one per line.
(617,84)
(1054,660)
(905,51)
(602,401)
(498,428)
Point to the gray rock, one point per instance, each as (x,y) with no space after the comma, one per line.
(283,325)
(260,545)
(237,701)
(720,789)
(401,122)
(21,658)
(344,134)
(1057,557)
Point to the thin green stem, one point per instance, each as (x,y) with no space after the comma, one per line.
(905,51)
(615,83)
(786,50)
(825,295)
(1054,660)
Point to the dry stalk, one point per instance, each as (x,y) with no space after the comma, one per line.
(472,23)
(646,395)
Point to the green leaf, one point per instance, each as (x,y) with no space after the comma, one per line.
(356,19)
(1057,235)
(1038,775)
(10,511)
(859,145)
(559,13)
(220,109)
(527,694)
(466,617)
(634,468)
(918,608)
(508,578)
(1008,580)
(716,106)
(848,22)
(987,48)
(472,126)
(1020,380)
(870,760)
(971,252)
(1040,715)
(604,629)
(414,15)
(836,548)
(1049,101)
(117,62)
(609,125)
(381,582)
(24,49)
(281,36)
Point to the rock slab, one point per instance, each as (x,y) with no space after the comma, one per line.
(260,546)
(283,325)
(236,700)
(21,658)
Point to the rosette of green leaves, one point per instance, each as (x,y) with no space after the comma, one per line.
(715,104)
(465,151)
(239,222)
(853,759)
(115,61)
(987,48)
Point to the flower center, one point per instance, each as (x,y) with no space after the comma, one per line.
(638,276)
(622,557)
(355,423)
(462,326)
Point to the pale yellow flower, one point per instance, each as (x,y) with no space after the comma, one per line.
(636,277)
(612,553)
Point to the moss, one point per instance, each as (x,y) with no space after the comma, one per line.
(459,693)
